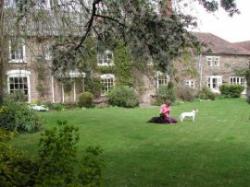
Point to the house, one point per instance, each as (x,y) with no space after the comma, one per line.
(219,62)
(28,69)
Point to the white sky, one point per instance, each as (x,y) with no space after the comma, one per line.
(233,29)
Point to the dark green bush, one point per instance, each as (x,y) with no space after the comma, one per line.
(56,106)
(123,96)
(165,93)
(231,91)
(186,93)
(15,169)
(17,116)
(206,93)
(57,163)
(86,100)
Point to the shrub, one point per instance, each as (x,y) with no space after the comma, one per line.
(206,93)
(231,91)
(165,93)
(123,96)
(57,163)
(56,106)
(186,93)
(58,158)
(16,116)
(86,100)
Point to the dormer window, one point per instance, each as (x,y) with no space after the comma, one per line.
(16,51)
(105,58)
(213,61)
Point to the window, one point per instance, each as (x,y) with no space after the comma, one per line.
(238,80)
(161,79)
(213,61)
(19,82)
(16,51)
(214,82)
(107,83)
(190,83)
(105,58)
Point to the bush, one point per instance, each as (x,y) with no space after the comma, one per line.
(16,116)
(57,163)
(186,93)
(123,96)
(165,93)
(231,91)
(86,100)
(56,106)
(206,93)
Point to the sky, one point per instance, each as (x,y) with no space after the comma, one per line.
(232,29)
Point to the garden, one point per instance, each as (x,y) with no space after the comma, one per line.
(212,151)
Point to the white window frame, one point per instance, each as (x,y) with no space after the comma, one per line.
(165,81)
(210,83)
(102,58)
(237,80)
(213,61)
(17,60)
(190,83)
(106,77)
(19,74)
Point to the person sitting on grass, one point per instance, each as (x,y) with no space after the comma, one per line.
(164,115)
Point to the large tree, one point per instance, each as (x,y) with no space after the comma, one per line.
(149,28)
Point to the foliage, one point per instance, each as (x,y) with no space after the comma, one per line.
(57,155)
(56,164)
(86,100)
(185,93)
(58,159)
(93,85)
(56,106)
(123,65)
(206,93)
(15,168)
(91,168)
(123,96)
(15,116)
(231,91)
(18,96)
(165,93)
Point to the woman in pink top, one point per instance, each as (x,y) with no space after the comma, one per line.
(165,113)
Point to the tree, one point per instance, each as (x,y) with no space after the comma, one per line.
(148,28)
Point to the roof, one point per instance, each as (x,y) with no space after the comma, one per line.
(245,45)
(216,45)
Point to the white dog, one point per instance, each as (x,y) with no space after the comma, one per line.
(188,115)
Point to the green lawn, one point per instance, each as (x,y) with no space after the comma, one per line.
(213,151)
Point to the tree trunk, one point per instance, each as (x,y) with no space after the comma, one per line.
(1,50)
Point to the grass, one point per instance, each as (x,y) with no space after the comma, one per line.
(212,151)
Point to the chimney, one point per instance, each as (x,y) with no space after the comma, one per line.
(166,8)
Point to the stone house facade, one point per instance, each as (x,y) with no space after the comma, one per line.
(27,69)
(215,66)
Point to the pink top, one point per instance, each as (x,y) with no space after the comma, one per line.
(165,110)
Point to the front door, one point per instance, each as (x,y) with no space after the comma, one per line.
(214,83)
